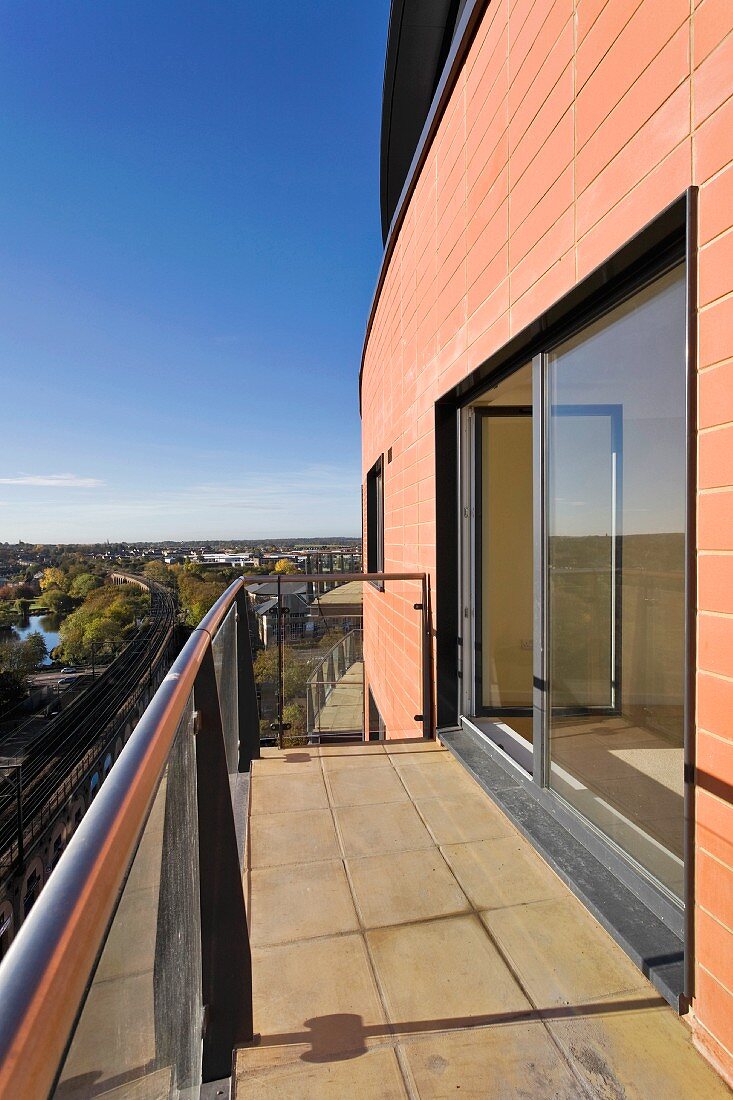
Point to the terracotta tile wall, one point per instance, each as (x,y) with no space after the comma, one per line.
(572,123)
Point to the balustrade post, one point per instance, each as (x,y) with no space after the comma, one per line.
(247,711)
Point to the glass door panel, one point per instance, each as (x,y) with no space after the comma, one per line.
(584,555)
(504,566)
(506,561)
(616,505)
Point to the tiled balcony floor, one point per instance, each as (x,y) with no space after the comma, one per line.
(408,942)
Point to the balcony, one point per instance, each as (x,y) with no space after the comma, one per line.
(359,919)
(407,941)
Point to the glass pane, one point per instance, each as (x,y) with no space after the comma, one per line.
(583,579)
(616,555)
(506,566)
(504,574)
(139,1033)
(224,649)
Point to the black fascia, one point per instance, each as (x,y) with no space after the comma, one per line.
(419,38)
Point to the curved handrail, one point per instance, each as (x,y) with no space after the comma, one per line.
(45,974)
(334,647)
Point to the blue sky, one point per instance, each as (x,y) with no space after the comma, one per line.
(189,241)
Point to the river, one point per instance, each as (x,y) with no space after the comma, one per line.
(47,625)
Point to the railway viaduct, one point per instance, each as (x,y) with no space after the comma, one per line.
(48,786)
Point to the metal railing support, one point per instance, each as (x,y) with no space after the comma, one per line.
(226,959)
(248,713)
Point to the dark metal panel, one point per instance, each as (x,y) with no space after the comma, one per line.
(226,960)
(541,762)
(419,36)
(447,630)
(249,719)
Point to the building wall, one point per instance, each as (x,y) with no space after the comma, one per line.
(571,125)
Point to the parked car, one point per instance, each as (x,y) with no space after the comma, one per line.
(65,685)
(67,671)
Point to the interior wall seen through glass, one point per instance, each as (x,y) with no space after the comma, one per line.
(506,620)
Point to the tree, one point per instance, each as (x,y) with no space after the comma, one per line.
(159,572)
(83,584)
(285,566)
(295,672)
(57,601)
(25,592)
(53,577)
(103,622)
(34,650)
(294,716)
(7,616)
(12,690)
(197,595)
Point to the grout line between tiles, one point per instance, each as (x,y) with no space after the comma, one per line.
(381,993)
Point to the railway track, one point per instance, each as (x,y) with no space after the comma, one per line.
(54,765)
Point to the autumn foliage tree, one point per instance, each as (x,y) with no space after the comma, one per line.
(104,622)
(285,566)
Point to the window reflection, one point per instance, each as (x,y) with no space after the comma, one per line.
(616,551)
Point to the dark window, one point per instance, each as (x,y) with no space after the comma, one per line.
(376,723)
(375,518)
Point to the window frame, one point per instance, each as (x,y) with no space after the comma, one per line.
(375,517)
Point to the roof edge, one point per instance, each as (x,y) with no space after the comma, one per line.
(462,40)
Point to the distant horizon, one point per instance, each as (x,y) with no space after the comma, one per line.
(181,541)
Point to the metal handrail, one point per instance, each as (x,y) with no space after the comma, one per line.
(329,652)
(316,680)
(47,968)
(298,578)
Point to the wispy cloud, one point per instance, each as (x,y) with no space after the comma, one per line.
(53,481)
(315,499)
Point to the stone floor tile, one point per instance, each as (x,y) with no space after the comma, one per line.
(445,974)
(507,1062)
(391,827)
(561,954)
(374,1075)
(313,1000)
(278,794)
(633,1047)
(284,763)
(471,817)
(336,757)
(409,748)
(300,901)
(502,871)
(363,786)
(426,777)
(303,837)
(404,886)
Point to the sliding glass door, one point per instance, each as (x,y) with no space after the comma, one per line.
(579,575)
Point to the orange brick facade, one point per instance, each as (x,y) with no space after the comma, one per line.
(571,125)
